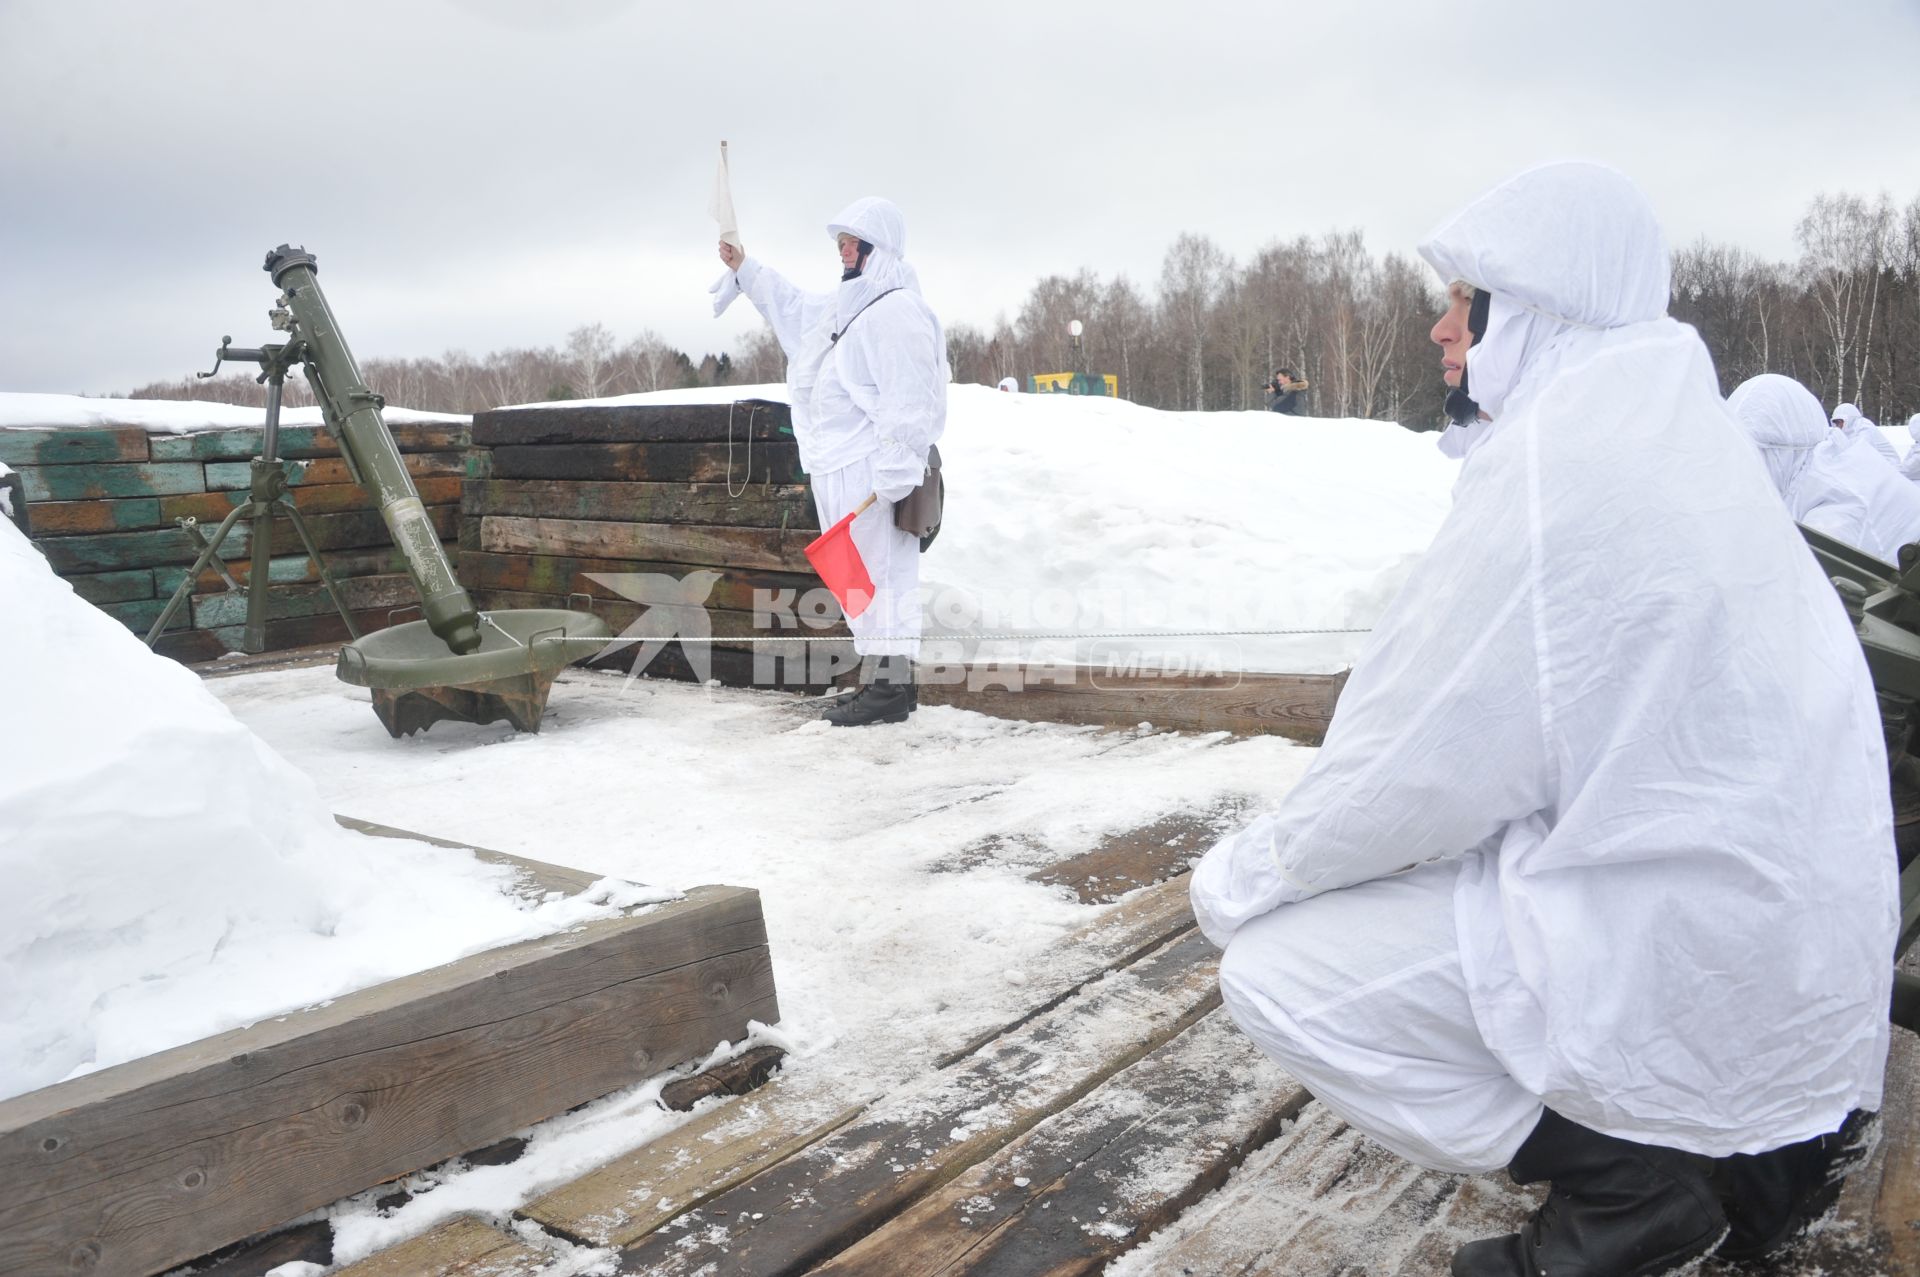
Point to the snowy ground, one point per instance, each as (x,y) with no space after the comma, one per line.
(892,863)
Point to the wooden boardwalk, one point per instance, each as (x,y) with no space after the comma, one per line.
(1123,1124)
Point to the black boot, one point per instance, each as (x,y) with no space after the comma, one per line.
(887,697)
(1771,1197)
(1615,1209)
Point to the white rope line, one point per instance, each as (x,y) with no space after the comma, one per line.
(939,638)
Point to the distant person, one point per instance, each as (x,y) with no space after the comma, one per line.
(1594,875)
(867,375)
(1849,421)
(1910,467)
(1009,385)
(1830,483)
(1287,393)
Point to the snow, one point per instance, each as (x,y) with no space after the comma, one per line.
(20,410)
(1095,516)
(169,875)
(892,863)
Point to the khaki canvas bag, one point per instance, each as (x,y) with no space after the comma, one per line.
(920,511)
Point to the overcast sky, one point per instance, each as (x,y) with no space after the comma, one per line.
(486,173)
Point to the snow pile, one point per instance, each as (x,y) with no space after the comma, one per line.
(19,410)
(1094,516)
(167,874)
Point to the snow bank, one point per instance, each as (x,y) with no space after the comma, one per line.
(165,875)
(163,416)
(1096,516)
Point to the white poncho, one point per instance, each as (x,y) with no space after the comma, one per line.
(1857,428)
(1830,483)
(1619,688)
(880,389)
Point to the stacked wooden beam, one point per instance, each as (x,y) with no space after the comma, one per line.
(103,503)
(560,499)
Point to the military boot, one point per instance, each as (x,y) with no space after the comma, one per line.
(886,697)
(1771,1198)
(1615,1209)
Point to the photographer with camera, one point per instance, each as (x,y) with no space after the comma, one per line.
(1287,393)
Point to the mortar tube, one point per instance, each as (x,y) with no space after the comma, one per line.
(353,415)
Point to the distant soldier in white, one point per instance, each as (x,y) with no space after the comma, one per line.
(867,369)
(1830,483)
(1594,877)
(1910,466)
(1849,421)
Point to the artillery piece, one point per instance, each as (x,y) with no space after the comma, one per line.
(1883,601)
(458,662)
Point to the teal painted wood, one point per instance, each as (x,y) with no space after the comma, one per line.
(140,614)
(112,551)
(114,587)
(66,518)
(94,482)
(243,444)
(362,593)
(79,446)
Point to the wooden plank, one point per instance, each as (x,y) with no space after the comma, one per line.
(1145,856)
(622,1202)
(310,1243)
(139,615)
(363,529)
(559,575)
(301,442)
(114,587)
(361,594)
(633,1195)
(1297,706)
(464,1246)
(296,567)
(746,1072)
(771,548)
(760,420)
(113,551)
(784,505)
(92,483)
(76,445)
(223,475)
(305,631)
(1325,1199)
(158,1160)
(821,1200)
(66,518)
(1096,1179)
(325,498)
(771,464)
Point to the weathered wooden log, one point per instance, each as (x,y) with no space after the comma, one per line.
(114,587)
(67,518)
(361,593)
(736,590)
(325,498)
(292,568)
(98,482)
(691,544)
(102,445)
(238,475)
(244,443)
(1298,706)
(161,547)
(150,1163)
(782,506)
(760,420)
(773,463)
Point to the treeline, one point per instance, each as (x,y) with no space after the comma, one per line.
(591,365)
(1843,317)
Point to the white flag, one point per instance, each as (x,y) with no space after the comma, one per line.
(720,207)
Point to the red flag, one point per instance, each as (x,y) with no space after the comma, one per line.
(835,557)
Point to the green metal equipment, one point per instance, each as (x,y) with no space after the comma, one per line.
(459,662)
(1883,600)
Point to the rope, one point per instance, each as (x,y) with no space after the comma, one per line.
(980,638)
(748,481)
